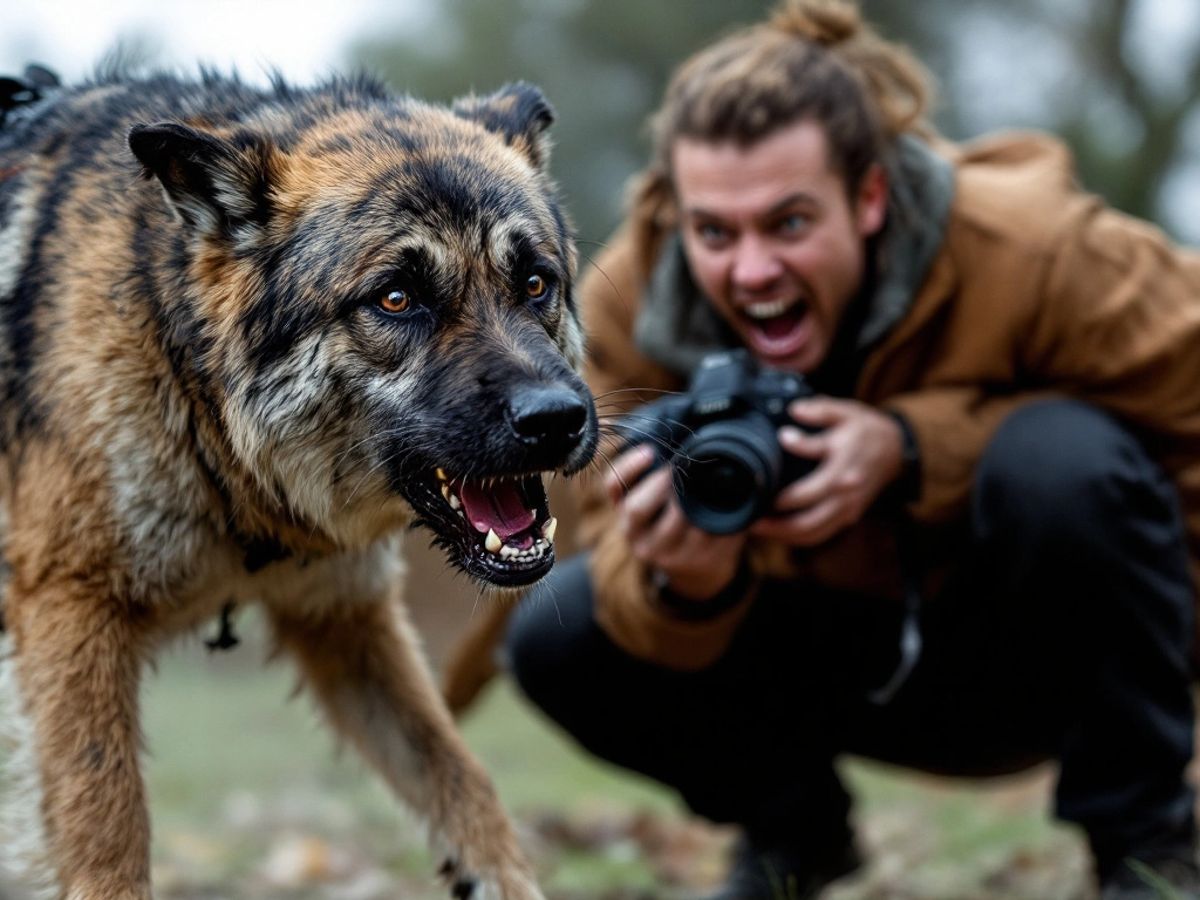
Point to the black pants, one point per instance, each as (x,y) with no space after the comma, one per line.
(1063,633)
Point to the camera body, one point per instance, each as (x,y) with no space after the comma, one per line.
(720,439)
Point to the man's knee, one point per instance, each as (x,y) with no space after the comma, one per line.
(1063,472)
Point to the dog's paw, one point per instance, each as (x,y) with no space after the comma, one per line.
(463,884)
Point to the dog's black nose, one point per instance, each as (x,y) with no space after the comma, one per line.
(552,418)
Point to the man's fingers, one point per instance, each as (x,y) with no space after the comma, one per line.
(806,528)
(664,536)
(806,492)
(644,502)
(798,442)
(626,469)
(819,412)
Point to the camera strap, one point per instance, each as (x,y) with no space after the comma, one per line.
(910,629)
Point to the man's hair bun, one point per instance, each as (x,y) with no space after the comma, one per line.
(824,22)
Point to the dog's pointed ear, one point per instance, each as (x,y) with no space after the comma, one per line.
(219,187)
(520,113)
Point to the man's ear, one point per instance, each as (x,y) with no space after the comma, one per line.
(872,201)
(218,187)
(520,113)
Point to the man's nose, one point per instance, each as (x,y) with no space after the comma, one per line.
(755,266)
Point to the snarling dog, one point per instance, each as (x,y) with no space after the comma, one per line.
(248,336)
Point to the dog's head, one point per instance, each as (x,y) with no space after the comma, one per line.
(379,311)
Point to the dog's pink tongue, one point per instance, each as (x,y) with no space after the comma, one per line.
(500,509)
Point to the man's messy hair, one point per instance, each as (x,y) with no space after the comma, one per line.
(812,60)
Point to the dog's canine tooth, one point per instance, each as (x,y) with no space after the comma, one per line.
(550,528)
(441,474)
(446,495)
(493,542)
(455,503)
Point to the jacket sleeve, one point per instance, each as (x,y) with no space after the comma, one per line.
(621,378)
(1121,323)
(1115,321)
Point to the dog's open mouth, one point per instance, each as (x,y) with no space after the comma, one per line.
(500,529)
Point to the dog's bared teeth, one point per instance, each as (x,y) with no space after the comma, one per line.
(493,542)
(446,494)
(549,529)
(441,475)
(454,502)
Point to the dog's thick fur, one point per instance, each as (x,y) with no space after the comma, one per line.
(246,337)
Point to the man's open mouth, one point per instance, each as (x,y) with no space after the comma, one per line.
(497,529)
(777,327)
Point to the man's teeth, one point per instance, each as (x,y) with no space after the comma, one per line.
(767,310)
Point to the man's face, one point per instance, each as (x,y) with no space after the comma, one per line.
(773,240)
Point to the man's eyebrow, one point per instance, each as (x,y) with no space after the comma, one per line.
(798,198)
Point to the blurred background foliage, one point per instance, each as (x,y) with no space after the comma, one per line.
(1119,79)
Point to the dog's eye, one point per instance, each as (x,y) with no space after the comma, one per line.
(536,287)
(395,302)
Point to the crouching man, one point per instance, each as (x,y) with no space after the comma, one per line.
(991,561)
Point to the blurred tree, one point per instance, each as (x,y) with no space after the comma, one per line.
(1085,69)
(602,64)
(1118,79)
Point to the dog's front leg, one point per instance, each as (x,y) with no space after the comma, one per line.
(78,667)
(363,663)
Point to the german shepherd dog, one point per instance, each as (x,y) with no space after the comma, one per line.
(247,337)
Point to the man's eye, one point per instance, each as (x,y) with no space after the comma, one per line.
(395,302)
(712,234)
(793,224)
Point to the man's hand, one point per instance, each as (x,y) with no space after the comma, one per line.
(698,565)
(859,450)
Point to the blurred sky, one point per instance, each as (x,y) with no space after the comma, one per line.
(307,39)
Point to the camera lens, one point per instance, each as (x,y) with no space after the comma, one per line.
(720,483)
(726,475)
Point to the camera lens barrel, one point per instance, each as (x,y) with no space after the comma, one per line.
(726,475)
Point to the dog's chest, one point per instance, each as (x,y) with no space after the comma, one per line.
(230,573)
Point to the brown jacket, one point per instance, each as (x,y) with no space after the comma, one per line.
(1038,289)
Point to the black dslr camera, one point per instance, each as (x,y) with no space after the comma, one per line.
(719,438)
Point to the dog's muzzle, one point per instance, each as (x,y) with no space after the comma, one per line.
(486,501)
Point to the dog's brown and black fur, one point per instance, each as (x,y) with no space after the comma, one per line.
(247,336)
